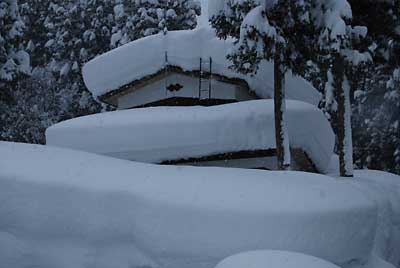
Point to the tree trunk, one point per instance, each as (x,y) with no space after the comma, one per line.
(281,133)
(344,131)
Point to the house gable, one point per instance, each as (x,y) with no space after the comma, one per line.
(174,86)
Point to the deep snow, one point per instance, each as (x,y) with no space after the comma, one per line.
(273,258)
(70,209)
(146,56)
(85,209)
(157,134)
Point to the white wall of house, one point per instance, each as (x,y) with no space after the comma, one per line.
(156,91)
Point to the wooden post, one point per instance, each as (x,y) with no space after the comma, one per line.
(281,134)
(344,135)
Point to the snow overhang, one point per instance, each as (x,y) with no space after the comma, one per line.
(159,134)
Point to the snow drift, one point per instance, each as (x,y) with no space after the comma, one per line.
(273,258)
(158,134)
(87,209)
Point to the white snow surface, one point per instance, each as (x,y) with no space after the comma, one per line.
(384,189)
(273,258)
(158,134)
(65,208)
(146,56)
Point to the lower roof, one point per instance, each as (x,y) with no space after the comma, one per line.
(159,134)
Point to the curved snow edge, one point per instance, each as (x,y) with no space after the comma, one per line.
(154,135)
(191,213)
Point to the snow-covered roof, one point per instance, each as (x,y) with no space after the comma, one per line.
(160,134)
(146,56)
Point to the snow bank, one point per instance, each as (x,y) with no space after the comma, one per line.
(158,134)
(273,258)
(146,56)
(64,208)
(384,189)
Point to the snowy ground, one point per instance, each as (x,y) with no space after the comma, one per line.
(64,208)
(273,258)
(153,135)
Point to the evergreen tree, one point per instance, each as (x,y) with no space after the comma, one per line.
(228,21)
(376,106)
(14,60)
(33,14)
(274,31)
(340,49)
(146,17)
(305,36)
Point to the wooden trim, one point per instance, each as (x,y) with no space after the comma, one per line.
(182,101)
(302,159)
(299,156)
(224,156)
(136,84)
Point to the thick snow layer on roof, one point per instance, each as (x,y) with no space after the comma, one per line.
(64,208)
(170,133)
(146,56)
(273,258)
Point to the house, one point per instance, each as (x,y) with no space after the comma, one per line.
(189,68)
(182,68)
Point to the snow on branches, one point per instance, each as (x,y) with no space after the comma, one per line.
(14,60)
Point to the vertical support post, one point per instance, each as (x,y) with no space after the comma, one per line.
(281,133)
(344,133)
(165,32)
(166,64)
(209,83)
(200,77)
